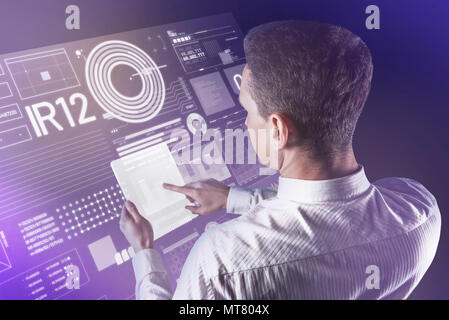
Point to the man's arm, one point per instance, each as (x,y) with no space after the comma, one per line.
(152,281)
(212,195)
(193,282)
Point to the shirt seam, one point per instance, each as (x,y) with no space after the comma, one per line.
(349,198)
(322,254)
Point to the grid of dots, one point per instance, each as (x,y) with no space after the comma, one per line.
(90,212)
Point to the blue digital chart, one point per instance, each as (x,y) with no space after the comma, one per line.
(68,111)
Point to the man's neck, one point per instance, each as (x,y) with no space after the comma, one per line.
(297,164)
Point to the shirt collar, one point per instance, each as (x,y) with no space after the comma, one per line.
(323,190)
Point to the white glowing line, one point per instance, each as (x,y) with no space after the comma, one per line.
(148,70)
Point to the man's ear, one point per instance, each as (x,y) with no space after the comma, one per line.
(281,128)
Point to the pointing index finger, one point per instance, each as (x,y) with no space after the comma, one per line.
(181,189)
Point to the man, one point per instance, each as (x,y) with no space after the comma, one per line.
(326,232)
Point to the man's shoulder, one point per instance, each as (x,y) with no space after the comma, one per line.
(412,203)
(410,188)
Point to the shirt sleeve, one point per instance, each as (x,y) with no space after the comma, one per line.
(194,281)
(241,200)
(152,281)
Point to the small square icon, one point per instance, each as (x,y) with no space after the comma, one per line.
(103,252)
(45,75)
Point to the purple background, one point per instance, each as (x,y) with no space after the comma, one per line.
(403,130)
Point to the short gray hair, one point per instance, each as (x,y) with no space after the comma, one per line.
(316,74)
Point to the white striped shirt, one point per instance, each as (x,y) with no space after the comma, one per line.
(343,238)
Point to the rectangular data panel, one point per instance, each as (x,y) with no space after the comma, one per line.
(41,73)
(208,48)
(9,138)
(45,281)
(5,90)
(212,93)
(9,113)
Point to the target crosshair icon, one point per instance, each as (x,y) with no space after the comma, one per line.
(134,109)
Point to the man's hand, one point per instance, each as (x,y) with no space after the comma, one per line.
(210,195)
(137,230)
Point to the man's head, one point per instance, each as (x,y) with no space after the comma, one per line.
(307,83)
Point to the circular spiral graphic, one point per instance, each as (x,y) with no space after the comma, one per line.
(135,109)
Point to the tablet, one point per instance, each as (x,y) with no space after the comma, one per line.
(141,176)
